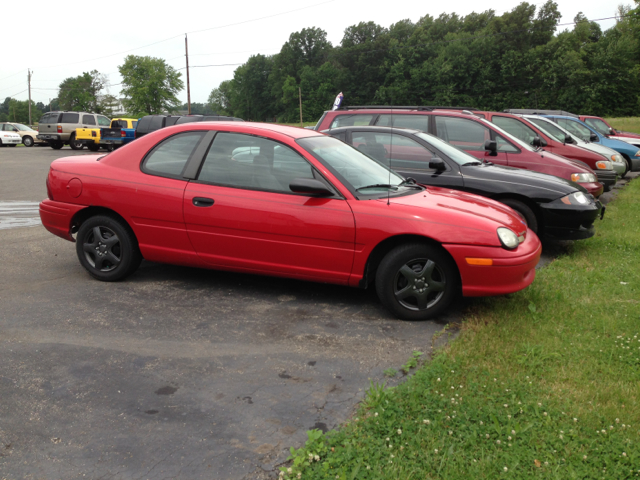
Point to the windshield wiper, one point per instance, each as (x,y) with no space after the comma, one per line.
(409,182)
(378,185)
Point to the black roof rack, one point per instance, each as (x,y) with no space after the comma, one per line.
(530,111)
(403,107)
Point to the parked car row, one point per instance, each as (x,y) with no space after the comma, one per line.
(14,133)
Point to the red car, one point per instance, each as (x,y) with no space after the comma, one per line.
(290,202)
(475,135)
(601,125)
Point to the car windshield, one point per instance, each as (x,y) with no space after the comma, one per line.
(454,153)
(576,128)
(506,134)
(598,125)
(22,128)
(552,129)
(356,170)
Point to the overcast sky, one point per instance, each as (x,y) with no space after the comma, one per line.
(57,43)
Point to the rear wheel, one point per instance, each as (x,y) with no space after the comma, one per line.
(107,248)
(109,148)
(27,141)
(75,144)
(417,281)
(524,211)
(94,147)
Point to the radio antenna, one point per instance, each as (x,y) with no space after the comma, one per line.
(390,155)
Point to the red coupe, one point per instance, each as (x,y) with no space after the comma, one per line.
(290,202)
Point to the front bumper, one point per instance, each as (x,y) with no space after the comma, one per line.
(49,137)
(512,270)
(570,222)
(57,217)
(11,140)
(607,178)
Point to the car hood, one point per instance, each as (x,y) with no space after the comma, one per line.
(462,209)
(520,176)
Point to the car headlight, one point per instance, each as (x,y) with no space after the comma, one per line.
(575,198)
(604,165)
(617,158)
(637,154)
(583,178)
(508,239)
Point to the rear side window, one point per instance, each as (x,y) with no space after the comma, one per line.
(156,123)
(466,134)
(119,124)
(351,120)
(415,122)
(515,128)
(574,127)
(171,121)
(598,125)
(135,124)
(88,120)
(398,151)
(169,157)
(143,124)
(103,121)
(186,119)
(70,118)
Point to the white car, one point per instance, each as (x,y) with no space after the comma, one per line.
(27,134)
(9,138)
(556,131)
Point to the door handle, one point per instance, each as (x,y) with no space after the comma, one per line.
(203,201)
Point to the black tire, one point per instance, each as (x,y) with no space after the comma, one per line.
(627,167)
(12,145)
(27,141)
(75,144)
(109,148)
(1,144)
(107,248)
(93,147)
(435,280)
(56,145)
(524,211)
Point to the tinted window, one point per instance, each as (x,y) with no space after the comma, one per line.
(156,123)
(469,135)
(70,118)
(118,124)
(103,121)
(515,128)
(351,120)
(549,128)
(254,163)
(186,119)
(170,121)
(143,124)
(416,122)
(88,120)
(135,124)
(397,150)
(170,156)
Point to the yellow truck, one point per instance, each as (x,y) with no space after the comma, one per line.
(121,131)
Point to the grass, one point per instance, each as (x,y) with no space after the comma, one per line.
(544,383)
(626,124)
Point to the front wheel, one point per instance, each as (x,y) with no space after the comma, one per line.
(524,212)
(417,281)
(75,144)
(107,248)
(27,141)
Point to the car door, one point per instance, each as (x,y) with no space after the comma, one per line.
(241,215)
(471,136)
(406,156)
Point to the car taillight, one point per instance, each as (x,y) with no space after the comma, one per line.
(59,128)
(93,133)
(123,133)
(49,194)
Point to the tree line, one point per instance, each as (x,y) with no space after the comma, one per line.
(481,60)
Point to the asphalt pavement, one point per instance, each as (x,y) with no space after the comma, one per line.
(176,372)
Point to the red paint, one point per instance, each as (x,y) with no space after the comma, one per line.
(320,239)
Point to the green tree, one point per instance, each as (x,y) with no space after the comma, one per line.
(18,111)
(249,93)
(150,85)
(218,101)
(81,93)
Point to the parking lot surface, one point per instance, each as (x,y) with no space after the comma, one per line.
(175,372)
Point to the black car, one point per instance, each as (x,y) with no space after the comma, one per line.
(551,206)
(151,123)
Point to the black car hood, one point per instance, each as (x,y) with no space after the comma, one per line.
(519,177)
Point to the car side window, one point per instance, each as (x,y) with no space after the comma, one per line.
(416,122)
(253,163)
(575,128)
(463,133)
(350,120)
(515,128)
(70,118)
(169,157)
(88,120)
(103,121)
(395,150)
(598,125)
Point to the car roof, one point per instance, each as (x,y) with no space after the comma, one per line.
(293,132)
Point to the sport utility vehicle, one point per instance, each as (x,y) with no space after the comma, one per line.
(473,134)
(59,128)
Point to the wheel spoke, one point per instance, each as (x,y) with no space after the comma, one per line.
(422,300)
(427,271)
(408,273)
(97,235)
(111,241)
(112,259)
(407,291)
(437,286)
(89,247)
(98,260)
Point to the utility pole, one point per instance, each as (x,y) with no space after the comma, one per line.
(300,98)
(186,49)
(29,81)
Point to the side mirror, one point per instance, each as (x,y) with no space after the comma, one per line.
(537,142)
(593,137)
(611,131)
(568,139)
(437,164)
(492,147)
(310,186)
